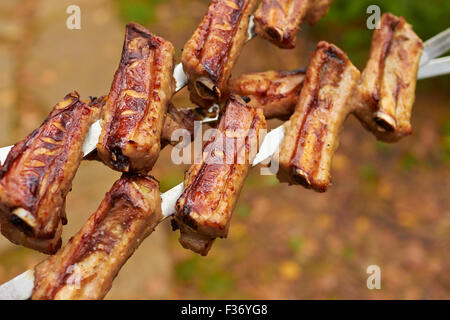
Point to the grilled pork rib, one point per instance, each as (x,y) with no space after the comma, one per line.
(38,172)
(178,119)
(276,92)
(86,267)
(213,49)
(212,188)
(279,20)
(385,97)
(316,10)
(312,132)
(137,102)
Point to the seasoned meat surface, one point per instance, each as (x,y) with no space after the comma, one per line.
(193,240)
(178,119)
(279,20)
(312,132)
(213,49)
(212,187)
(385,96)
(137,102)
(276,92)
(38,172)
(316,10)
(87,265)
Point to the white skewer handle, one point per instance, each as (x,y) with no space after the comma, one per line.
(435,47)
(19,288)
(434,68)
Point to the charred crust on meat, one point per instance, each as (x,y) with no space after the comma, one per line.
(204,209)
(33,190)
(128,214)
(137,102)
(385,95)
(312,134)
(213,49)
(279,21)
(275,92)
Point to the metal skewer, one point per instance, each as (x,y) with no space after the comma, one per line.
(435,47)
(434,68)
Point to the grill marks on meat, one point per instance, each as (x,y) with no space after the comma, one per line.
(137,102)
(210,54)
(175,119)
(312,132)
(212,188)
(279,20)
(276,92)
(87,265)
(385,96)
(38,172)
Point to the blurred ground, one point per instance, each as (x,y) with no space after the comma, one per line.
(389,204)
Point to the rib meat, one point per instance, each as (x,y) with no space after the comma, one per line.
(38,172)
(385,97)
(86,267)
(279,20)
(212,187)
(137,102)
(312,132)
(317,9)
(178,119)
(276,92)
(213,49)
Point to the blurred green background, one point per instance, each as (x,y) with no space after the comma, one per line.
(389,204)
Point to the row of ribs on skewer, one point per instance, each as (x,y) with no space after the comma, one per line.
(316,102)
(138,120)
(210,54)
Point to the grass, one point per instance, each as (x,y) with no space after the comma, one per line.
(206,275)
(368,173)
(243,211)
(295,244)
(140,11)
(408,161)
